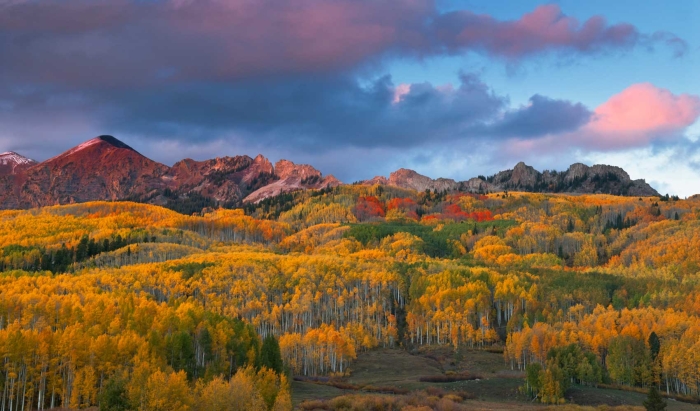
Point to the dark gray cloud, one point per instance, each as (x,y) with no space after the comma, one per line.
(317,113)
(324,112)
(543,116)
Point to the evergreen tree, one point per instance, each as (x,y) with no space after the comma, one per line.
(534,379)
(270,355)
(114,396)
(570,227)
(654,401)
(654,345)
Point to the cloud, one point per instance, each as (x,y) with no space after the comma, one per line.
(314,113)
(678,45)
(542,116)
(544,29)
(400,91)
(323,113)
(640,115)
(120,43)
(275,72)
(668,168)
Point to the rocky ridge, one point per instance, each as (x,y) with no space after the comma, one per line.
(578,178)
(105,168)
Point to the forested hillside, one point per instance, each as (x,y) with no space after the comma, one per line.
(109,302)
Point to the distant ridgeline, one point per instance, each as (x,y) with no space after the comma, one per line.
(105,168)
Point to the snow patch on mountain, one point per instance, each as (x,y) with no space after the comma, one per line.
(10,157)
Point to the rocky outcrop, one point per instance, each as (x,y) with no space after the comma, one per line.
(292,177)
(406,178)
(409,179)
(575,171)
(378,180)
(521,175)
(285,169)
(477,185)
(579,178)
(224,179)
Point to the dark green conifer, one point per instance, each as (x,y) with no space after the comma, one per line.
(654,401)
(270,354)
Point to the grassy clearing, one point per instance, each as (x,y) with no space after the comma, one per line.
(380,371)
(597,396)
(306,391)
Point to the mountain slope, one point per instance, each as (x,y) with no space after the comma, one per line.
(292,177)
(225,179)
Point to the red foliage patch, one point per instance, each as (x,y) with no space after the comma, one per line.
(402,204)
(454,212)
(368,207)
(453,198)
(481,216)
(407,205)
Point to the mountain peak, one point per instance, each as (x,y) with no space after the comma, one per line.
(103,141)
(113,141)
(405,172)
(11,163)
(11,156)
(407,178)
(285,169)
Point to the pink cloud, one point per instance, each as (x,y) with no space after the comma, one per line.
(400,91)
(300,36)
(640,114)
(544,29)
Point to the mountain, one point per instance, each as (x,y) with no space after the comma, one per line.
(225,179)
(13,163)
(292,177)
(579,178)
(410,179)
(105,168)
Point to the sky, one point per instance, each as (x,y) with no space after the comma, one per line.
(361,88)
